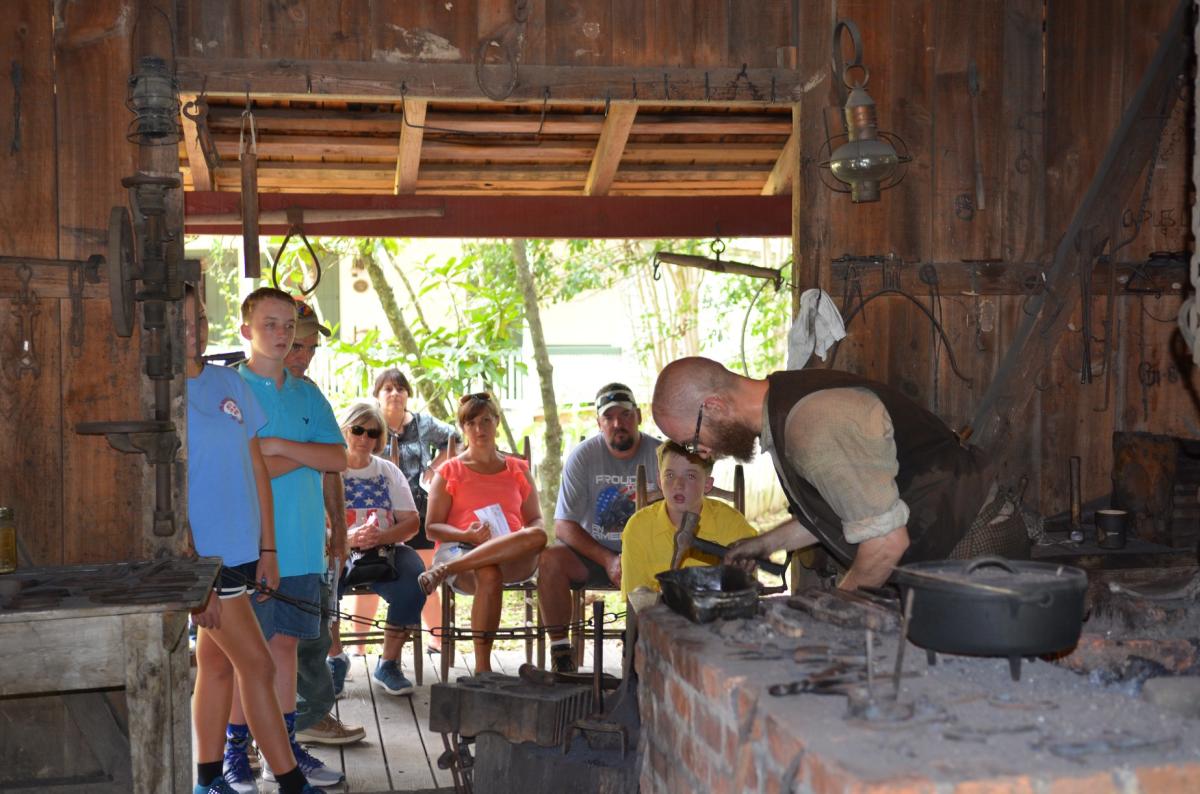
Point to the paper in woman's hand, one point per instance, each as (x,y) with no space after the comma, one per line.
(493,516)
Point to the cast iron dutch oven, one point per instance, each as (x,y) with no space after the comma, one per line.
(994,607)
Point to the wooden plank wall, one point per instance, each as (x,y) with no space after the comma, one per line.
(1039,152)
(76,500)
(682,33)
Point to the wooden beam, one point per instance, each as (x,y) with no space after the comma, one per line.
(1164,276)
(201,176)
(408,156)
(1096,218)
(368,80)
(607,158)
(319,148)
(688,121)
(499,179)
(781,177)
(568,216)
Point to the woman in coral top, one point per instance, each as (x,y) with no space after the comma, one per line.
(484,514)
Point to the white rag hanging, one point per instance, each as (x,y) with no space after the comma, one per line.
(818,325)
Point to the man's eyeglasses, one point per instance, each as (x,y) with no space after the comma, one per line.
(372,433)
(693,447)
(482,396)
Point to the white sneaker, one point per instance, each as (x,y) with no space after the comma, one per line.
(315,770)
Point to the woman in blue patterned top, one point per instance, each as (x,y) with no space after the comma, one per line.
(416,442)
(380,516)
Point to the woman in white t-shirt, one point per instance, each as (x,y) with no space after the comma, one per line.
(381,516)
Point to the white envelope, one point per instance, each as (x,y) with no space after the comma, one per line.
(493,516)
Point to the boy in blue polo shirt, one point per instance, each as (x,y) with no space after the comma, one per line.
(300,441)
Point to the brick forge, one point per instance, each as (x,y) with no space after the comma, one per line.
(709,725)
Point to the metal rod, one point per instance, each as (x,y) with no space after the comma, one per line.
(597,656)
(903,643)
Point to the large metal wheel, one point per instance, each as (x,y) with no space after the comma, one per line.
(120,266)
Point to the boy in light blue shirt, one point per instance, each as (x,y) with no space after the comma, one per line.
(299,442)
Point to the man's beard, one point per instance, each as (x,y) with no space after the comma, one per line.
(622,442)
(731,439)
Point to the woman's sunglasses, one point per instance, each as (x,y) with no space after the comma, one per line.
(373,433)
(482,396)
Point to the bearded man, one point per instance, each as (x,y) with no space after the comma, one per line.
(869,474)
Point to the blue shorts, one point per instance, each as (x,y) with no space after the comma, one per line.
(292,620)
(234,579)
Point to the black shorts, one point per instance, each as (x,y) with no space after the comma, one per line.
(597,574)
(233,581)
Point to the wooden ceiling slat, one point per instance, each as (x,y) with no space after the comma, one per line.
(688,121)
(318,147)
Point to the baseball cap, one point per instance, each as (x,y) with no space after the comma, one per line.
(614,394)
(306,321)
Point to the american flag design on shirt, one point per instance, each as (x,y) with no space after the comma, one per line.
(368,492)
(364,495)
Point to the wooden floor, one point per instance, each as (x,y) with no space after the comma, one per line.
(400,753)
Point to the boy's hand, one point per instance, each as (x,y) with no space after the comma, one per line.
(613,566)
(478,533)
(267,572)
(209,616)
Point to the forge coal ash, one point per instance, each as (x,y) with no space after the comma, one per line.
(970,721)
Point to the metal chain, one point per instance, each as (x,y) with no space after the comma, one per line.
(516,633)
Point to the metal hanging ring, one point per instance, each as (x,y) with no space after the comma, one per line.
(839,67)
(279,255)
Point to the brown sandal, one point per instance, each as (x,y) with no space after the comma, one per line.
(431,579)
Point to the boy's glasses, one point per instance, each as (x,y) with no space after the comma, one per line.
(372,433)
(482,396)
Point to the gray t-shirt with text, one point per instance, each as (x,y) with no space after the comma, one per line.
(598,491)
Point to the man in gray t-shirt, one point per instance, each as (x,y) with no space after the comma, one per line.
(595,500)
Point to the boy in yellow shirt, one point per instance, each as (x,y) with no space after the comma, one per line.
(648,540)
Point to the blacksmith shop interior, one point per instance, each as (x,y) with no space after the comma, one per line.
(985,572)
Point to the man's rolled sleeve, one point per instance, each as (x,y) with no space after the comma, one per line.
(842,441)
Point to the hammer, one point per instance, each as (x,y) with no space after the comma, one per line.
(684,537)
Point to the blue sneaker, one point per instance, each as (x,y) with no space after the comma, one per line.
(338,667)
(388,674)
(218,786)
(314,769)
(238,777)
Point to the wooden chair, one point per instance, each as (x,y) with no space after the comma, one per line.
(450,633)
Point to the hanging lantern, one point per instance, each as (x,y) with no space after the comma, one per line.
(153,97)
(868,161)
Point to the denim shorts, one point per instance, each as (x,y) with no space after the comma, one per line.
(280,617)
(233,579)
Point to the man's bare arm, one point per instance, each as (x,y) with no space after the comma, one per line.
(314,455)
(875,559)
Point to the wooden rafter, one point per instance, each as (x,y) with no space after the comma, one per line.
(408,157)
(781,177)
(202,177)
(610,148)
